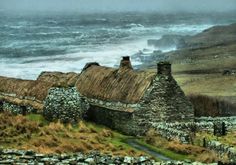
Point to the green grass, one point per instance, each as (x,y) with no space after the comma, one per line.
(37,118)
(163,151)
(118,139)
(228,139)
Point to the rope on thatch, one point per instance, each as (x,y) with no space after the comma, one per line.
(124,85)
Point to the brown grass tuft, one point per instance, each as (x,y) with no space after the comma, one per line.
(83,128)
(185,148)
(14,127)
(207,157)
(153,138)
(106,133)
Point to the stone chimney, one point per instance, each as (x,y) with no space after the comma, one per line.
(164,68)
(125,63)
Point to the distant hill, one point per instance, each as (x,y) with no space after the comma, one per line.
(213,50)
(215,36)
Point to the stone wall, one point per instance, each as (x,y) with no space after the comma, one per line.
(64,104)
(182,130)
(112,104)
(17,109)
(230,122)
(20,157)
(122,121)
(170,132)
(165,101)
(222,149)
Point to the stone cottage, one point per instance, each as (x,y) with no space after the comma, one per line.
(128,100)
(124,99)
(26,96)
(22,96)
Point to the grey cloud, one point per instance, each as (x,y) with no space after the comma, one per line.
(120,5)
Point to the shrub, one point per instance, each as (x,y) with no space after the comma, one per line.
(210,106)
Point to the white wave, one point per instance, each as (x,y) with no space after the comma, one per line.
(107,56)
(16,26)
(101,19)
(189,29)
(49,33)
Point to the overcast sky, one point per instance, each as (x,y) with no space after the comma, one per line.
(120,5)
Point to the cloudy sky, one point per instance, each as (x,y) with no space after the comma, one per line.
(119,5)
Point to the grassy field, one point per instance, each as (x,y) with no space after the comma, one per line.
(204,77)
(213,65)
(207,84)
(33,132)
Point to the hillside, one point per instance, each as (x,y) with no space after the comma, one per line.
(206,63)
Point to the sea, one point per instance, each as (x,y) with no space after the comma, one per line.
(65,41)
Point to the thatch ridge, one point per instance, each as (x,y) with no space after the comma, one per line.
(109,84)
(59,79)
(25,88)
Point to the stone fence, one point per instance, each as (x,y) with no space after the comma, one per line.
(182,130)
(17,109)
(170,132)
(20,157)
(230,122)
(221,149)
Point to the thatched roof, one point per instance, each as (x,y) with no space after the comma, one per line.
(124,84)
(59,78)
(24,88)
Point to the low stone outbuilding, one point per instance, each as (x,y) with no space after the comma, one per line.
(53,94)
(128,100)
(22,96)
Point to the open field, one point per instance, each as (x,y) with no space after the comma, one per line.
(215,85)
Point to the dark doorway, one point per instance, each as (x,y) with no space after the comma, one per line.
(1,106)
(23,110)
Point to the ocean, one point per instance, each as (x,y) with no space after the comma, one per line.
(34,42)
